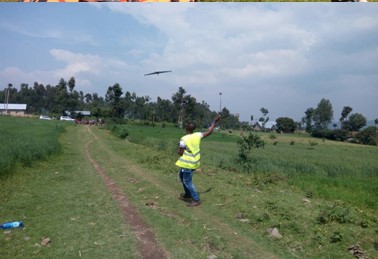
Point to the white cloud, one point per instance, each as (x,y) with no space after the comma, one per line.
(76,63)
(282,57)
(67,36)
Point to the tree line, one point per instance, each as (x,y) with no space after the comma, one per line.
(317,121)
(117,105)
(120,106)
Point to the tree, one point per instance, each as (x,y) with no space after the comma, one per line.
(178,101)
(264,119)
(368,136)
(247,143)
(345,113)
(355,123)
(323,114)
(286,125)
(61,97)
(308,119)
(113,98)
(184,106)
(88,98)
(71,84)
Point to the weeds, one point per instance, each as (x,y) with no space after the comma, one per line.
(119,131)
(335,213)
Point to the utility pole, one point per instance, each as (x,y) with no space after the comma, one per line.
(181,114)
(220,102)
(7,99)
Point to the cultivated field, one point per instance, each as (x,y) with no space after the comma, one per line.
(321,196)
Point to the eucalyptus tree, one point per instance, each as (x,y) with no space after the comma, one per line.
(113,99)
(323,114)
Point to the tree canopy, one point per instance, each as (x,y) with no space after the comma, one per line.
(117,104)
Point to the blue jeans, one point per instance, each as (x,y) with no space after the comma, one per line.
(186,176)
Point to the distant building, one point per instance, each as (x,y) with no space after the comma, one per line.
(14,109)
(83,113)
(269,126)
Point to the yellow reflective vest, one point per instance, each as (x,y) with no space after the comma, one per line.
(192,154)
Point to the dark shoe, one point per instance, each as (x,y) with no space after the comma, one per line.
(194,203)
(185,197)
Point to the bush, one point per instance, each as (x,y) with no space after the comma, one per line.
(286,125)
(368,136)
(119,131)
(335,213)
(338,135)
(247,143)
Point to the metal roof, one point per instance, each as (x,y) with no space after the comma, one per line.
(13,106)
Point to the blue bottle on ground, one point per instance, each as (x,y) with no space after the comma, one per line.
(14,224)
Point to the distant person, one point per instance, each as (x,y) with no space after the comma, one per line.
(189,161)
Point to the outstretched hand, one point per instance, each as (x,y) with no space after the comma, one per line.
(217,118)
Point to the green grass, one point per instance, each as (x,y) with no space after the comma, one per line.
(291,187)
(312,193)
(63,199)
(331,170)
(24,141)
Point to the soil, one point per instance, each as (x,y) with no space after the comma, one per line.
(147,245)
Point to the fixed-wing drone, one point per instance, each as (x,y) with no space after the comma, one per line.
(158,72)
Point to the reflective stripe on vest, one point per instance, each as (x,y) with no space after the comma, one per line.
(192,154)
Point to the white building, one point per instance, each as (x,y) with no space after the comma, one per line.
(15,109)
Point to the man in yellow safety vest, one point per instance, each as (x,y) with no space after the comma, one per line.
(189,161)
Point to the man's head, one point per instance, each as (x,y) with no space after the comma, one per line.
(190,127)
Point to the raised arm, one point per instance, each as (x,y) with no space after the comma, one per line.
(210,130)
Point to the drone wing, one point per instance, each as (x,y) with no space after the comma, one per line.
(153,73)
(164,71)
(158,72)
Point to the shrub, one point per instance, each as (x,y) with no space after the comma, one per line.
(247,143)
(119,131)
(335,213)
(312,143)
(368,136)
(286,125)
(336,237)
(338,135)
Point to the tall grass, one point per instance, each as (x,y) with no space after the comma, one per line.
(320,196)
(331,170)
(25,140)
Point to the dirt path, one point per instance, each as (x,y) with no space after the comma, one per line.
(148,246)
(135,173)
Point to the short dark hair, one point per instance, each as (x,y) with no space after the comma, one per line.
(191,126)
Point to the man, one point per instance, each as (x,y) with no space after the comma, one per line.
(189,161)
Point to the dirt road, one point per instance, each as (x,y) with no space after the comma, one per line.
(147,244)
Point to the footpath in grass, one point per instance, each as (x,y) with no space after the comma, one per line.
(66,209)
(185,232)
(237,208)
(66,201)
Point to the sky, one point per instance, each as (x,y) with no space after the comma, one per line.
(284,57)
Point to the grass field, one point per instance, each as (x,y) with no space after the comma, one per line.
(64,200)
(26,140)
(320,197)
(327,169)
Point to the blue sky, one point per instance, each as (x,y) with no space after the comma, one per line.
(284,57)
